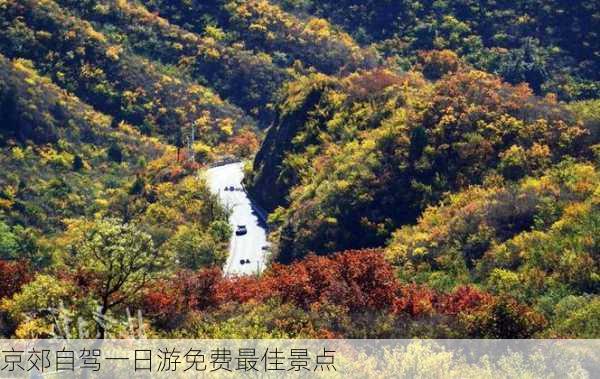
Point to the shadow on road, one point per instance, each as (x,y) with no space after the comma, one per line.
(259,215)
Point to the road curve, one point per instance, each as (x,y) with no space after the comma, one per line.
(244,212)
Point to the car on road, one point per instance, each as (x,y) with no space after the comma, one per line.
(241,230)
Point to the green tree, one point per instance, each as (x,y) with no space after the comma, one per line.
(526,64)
(77,163)
(220,230)
(195,248)
(418,142)
(137,188)
(121,259)
(9,243)
(115,153)
(577,317)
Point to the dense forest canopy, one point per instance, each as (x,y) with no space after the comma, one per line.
(551,45)
(430,168)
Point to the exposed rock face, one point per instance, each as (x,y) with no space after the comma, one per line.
(268,184)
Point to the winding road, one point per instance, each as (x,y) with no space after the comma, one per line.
(250,246)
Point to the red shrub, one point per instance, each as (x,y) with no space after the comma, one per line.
(369,277)
(415,301)
(187,291)
(359,280)
(369,83)
(350,281)
(293,284)
(13,275)
(242,289)
(464,299)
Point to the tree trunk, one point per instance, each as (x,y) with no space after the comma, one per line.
(102,322)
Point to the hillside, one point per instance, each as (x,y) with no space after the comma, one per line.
(430,169)
(344,166)
(551,45)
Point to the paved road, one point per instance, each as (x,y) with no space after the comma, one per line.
(248,246)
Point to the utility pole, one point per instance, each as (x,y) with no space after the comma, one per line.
(191,139)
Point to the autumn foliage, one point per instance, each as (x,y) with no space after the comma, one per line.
(13,275)
(464,299)
(429,168)
(165,299)
(437,63)
(356,282)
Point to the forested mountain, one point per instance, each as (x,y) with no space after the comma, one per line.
(370,152)
(431,168)
(551,45)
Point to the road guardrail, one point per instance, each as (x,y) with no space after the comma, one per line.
(224,161)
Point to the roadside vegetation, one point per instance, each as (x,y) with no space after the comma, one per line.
(431,168)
